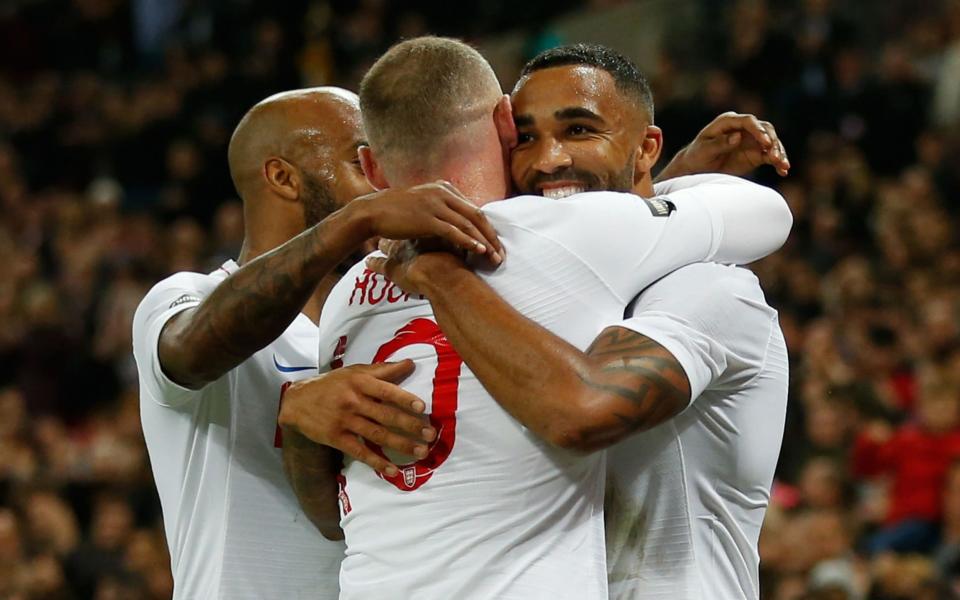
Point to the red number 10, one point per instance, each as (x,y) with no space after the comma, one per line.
(443,414)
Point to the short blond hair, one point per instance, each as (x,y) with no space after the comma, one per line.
(423,90)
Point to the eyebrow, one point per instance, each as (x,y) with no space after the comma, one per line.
(523,120)
(564,114)
(577,112)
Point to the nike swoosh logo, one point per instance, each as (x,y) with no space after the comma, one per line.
(286,369)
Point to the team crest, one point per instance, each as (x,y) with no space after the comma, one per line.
(409,476)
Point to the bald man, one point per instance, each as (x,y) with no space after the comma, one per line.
(216,351)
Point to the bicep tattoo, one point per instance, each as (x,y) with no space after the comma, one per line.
(647,383)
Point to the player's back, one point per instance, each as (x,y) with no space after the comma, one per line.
(492,512)
(686,499)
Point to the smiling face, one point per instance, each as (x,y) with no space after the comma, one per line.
(576,132)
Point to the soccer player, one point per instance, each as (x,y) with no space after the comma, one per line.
(490,511)
(700,369)
(215,351)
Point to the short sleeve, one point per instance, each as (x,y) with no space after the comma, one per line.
(712,318)
(168,298)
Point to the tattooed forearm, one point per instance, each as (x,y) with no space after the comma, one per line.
(311,470)
(259,301)
(252,307)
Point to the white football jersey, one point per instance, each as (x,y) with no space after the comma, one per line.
(233,525)
(685,500)
(492,511)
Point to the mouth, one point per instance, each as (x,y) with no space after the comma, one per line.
(556,191)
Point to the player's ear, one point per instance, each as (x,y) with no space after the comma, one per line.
(649,151)
(503,119)
(372,169)
(282,178)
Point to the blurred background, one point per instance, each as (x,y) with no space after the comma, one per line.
(114,121)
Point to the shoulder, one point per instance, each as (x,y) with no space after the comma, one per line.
(715,311)
(708,287)
(713,277)
(588,215)
(176,290)
(537,206)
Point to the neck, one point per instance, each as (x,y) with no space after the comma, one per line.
(473,160)
(480,181)
(265,232)
(644,186)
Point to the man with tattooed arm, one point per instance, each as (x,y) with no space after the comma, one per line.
(216,351)
(689,393)
(490,511)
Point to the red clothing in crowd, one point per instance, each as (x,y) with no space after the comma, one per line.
(917,460)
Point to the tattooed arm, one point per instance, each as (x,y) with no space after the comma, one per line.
(312,470)
(254,305)
(624,383)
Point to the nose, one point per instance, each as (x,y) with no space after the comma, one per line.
(552,157)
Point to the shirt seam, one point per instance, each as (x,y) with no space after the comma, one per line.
(766,352)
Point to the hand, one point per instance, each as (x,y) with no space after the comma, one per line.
(435,210)
(359,400)
(734,144)
(408,268)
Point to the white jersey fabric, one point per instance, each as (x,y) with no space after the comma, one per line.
(685,500)
(493,512)
(233,525)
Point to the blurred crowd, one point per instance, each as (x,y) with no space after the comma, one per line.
(114,120)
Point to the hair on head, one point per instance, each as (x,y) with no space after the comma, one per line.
(626,75)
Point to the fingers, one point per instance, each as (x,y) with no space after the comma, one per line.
(387,391)
(478,220)
(353,447)
(777,154)
(730,124)
(394,248)
(412,427)
(756,129)
(456,229)
(378,265)
(383,437)
(456,223)
(387,371)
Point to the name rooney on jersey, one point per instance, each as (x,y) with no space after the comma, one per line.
(372,289)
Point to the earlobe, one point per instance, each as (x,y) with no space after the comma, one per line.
(282,178)
(371,168)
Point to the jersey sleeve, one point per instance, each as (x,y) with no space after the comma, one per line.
(754,220)
(167,299)
(712,318)
(629,242)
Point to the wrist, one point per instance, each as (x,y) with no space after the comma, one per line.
(437,273)
(358,218)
